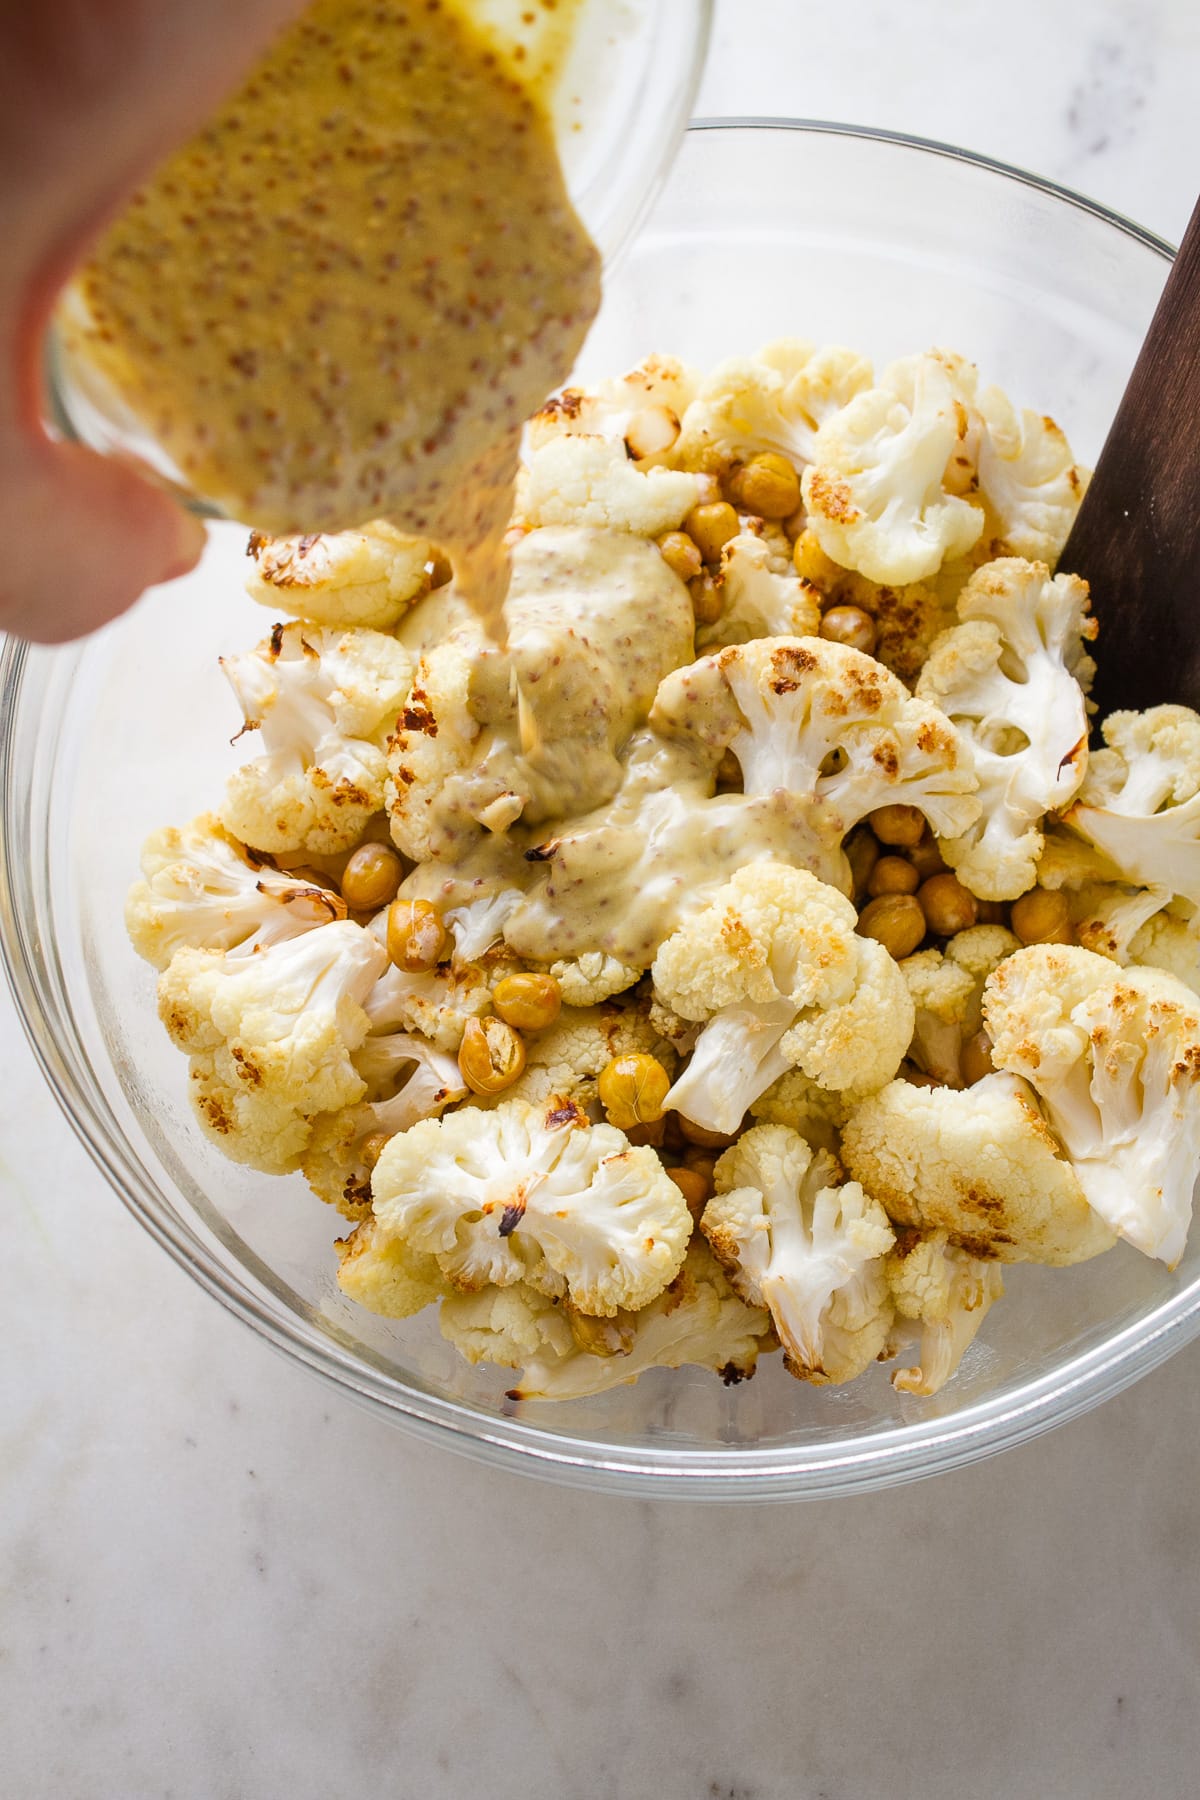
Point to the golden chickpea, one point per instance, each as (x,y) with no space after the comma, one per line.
(892,875)
(372,1148)
(977,1058)
(902,826)
(416,936)
(703,1138)
(708,600)
(491,1056)
(926,858)
(695,1189)
(795,523)
(991,912)
(947,905)
(651,432)
(371,877)
(851,626)
(652,1135)
(681,555)
(862,853)
(530,1002)
(702,1161)
(632,1090)
(895,921)
(767,485)
(1042,917)
(810,561)
(710,527)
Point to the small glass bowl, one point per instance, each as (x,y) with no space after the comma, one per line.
(763,228)
(620,106)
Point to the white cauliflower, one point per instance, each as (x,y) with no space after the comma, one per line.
(526,1193)
(383,1275)
(1028,480)
(979,1164)
(1166,942)
(476,926)
(272,1037)
(508,1326)
(1115,1056)
(762,595)
(1139,806)
(369,577)
(201,887)
(794,1099)
(1009,676)
(437,1003)
(593,481)
(828,726)
(774,966)
(535,732)
(947,991)
(875,489)
(595,976)
(697,1320)
(324,701)
(639,409)
(794,1238)
(949,1293)
(775,401)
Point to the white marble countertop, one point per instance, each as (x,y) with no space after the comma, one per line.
(222,1582)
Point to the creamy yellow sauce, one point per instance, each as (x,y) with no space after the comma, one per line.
(342,298)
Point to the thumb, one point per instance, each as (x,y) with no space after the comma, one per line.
(83,536)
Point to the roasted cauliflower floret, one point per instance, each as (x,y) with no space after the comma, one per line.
(948,1293)
(1009,676)
(369,577)
(762,595)
(566,1060)
(1115,1056)
(947,992)
(830,727)
(775,401)
(908,619)
(979,1164)
(589,979)
(1028,480)
(535,1194)
(202,888)
(640,410)
(1139,805)
(774,967)
(875,489)
(272,1037)
(593,481)
(324,702)
(794,1238)
(383,1275)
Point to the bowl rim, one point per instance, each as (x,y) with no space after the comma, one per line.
(897,1454)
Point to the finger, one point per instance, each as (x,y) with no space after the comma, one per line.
(84,536)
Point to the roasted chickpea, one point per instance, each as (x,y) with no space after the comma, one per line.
(926,858)
(651,431)
(766,485)
(1042,917)
(977,1058)
(895,921)
(708,600)
(694,1187)
(892,875)
(947,905)
(710,526)
(862,853)
(851,626)
(491,1056)
(416,936)
(632,1090)
(530,1001)
(991,912)
(371,877)
(681,555)
(653,1134)
(702,1161)
(902,826)
(703,1138)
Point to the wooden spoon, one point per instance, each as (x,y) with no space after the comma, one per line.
(1136,539)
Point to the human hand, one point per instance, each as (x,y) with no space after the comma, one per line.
(93,94)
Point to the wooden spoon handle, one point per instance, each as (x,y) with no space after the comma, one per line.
(1136,539)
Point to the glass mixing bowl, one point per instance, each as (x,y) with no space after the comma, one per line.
(762,229)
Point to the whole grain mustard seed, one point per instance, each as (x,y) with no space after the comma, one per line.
(341,299)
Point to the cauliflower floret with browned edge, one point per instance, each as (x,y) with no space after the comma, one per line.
(528,1193)
(948,1293)
(875,488)
(978,1163)
(775,969)
(1172,944)
(1029,481)
(367,577)
(827,726)
(796,1238)
(201,887)
(774,401)
(593,977)
(1012,677)
(383,1275)
(535,732)
(761,593)
(1115,1056)
(794,1099)
(947,991)
(324,702)
(907,618)
(272,1037)
(1139,805)
(593,481)
(640,409)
